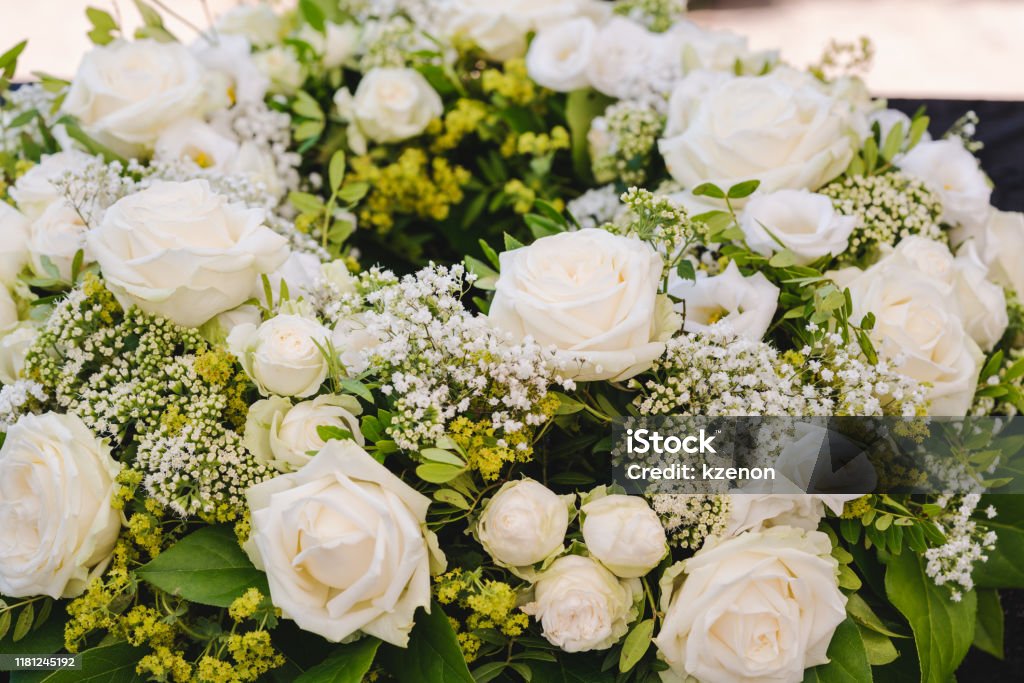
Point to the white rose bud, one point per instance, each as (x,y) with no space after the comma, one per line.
(745,305)
(624,534)
(982,303)
(955,175)
(283,69)
(284,436)
(179,250)
(559,55)
(14,346)
(57,522)
(36,190)
(127,93)
(806,223)
(56,235)
(282,356)
(581,606)
(391,105)
(523,524)
(731,133)
(758,607)
(345,547)
(14,232)
(354,343)
(590,294)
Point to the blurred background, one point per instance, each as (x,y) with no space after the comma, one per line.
(965,49)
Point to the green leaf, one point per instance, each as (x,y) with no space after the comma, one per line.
(24,623)
(347,664)
(307,107)
(988,632)
(306,202)
(848,661)
(567,405)
(106,664)
(542,226)
(486,277)
(433,655)
(451,497)
(9,59)
(744,189)
(709,190)
(438,473)
(353,192)
(685,270)
(512,243)
(207,567)
(44,638)
(862,613)
(492,256)
(878,647)
(581,108)
(308,130)
(1005,566)
(332,433)
(336,170)
(636,645)
(783,259)
(917,131)
(313,14)
(893,142)
(582,668)
(357,388)
(943,629)
(5,622)
(442,456)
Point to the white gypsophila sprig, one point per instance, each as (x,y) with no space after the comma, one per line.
(29,97)
(967,543)
(14,398)
(623,140)
(595,207)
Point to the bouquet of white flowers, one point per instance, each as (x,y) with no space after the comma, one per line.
(326,337)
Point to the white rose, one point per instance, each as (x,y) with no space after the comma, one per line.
(230,56)
(284,70)
(199,141)
(559,55)
(955,175)
(1002,249)
(344,544)
(57,522)
(336,45)
(8,310)
(919,324)
(523,524)
(581,606)
(282,436)
(717,50)
(35,191)
(282,355)
(624,534)
(982,303)
(806,223)
(300,272)
(14,232)
(57,235)
(624,54)
(126,93)
(758,607)
(14,346)
(391,105)
(745,305)
(354,343)
(180,250)
(259,23)
(257,162)
(785,132)
(590,294)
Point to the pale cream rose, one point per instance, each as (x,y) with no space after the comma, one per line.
(804,222)
(58,525)
(745,305)
(581,606)
(283,355)
(560,53)
(524,523)
(14,232)
(282,68)
(390,105)
(1001,244)
(230,57)
(345,546)
(256,22)
(591,295)
(955,175)
(8,310)
(180,250)
(624,534)
(285,436)
(14,346)
(57,235)
(36,190)
(198,141)
(761,606)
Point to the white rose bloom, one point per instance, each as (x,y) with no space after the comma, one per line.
(806,223)
(284,70)
(220,326)
(391,105)
(745,305)
(282,436)
(8,310)
(180,250)
(523,524)
(282,355)
(783,131)
(257,162)
(127,93)
(199,141)
(697,85)
(354,343)
(345,547)
(230,56)
(14,233)
(559,55)
(1002,249)
(14,346)
(624,54)
(590,294)
(336,45)
(919,324)
(701,48)
(758,607)
(57,522)
(57,235)
(955,175)
(259,23)
(982,302)
(35,191)
(624,534)
(581,606)
(301,272)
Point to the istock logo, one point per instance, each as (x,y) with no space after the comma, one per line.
(641,441)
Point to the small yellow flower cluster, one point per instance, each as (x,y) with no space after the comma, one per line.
(243,527)
(165,664)
(484,451)
(513,84)
(22,166)
(244,606)
(142,625)
(94,609)
(490,605)
(853,509)
(128,481)
(523,196)
(254,654)
(536,144)
(145,530)
(413,184)
(463,119)
(217,367)
(101,298)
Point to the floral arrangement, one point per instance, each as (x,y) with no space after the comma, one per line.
(316,325)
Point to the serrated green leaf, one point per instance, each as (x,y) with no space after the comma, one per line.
(685,270)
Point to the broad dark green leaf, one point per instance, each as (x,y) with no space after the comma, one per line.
(109,664)
(433,655)
(988,632)
(207,567)
(582,668)
(1005,566)
(848,661)
(348,664)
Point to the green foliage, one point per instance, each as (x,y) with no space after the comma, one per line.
(111,663)
(988,632)
(848,661)
(433,655)
(1005,566)
(347,664)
